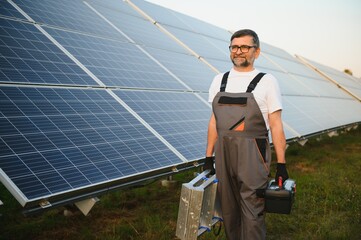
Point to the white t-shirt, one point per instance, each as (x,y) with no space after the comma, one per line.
(267,92)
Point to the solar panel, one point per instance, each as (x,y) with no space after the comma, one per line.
(180,118)
(57,140)
(178,20)
(351,84)
(295,79)
(195,75)
(68,14)
(27,56)
(206,40)
(116,63)
(146,34)
(205,46)
(310,101)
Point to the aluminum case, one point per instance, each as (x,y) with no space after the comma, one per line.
(198,207)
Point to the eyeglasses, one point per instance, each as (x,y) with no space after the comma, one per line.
(243,48)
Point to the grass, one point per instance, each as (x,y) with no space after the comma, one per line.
(327,206)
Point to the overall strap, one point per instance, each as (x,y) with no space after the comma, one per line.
(252,85)
(224,82)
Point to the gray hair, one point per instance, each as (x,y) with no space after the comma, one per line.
(247,32)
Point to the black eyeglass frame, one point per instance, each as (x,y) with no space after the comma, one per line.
(243,48)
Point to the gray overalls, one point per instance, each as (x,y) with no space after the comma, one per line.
(243,158)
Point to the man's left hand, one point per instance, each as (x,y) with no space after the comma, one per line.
(281,172)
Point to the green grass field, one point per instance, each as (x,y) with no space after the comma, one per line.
(327,205)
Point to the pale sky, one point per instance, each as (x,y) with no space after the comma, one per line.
(325,31)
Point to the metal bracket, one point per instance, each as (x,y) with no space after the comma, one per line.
(44,204)
(302,142)
(332,134)
(86,205)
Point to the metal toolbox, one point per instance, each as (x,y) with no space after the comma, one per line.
(279,199)
(198,207)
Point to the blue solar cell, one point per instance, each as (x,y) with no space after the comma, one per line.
(205,46)
(181,118)
(31,186)
(121,12)
(343,80)
(57,159)
(108,169)
(74,177)
(54,181)
(40,142)
(36,163)
(8,10)
(27,56)
(187,68)
(14,166)
(59,139)
(44,124)
(92,173)
(9,109)
(75,15)
(116,63)
(71,145)
(7,128)
(205,39)
(167,17)
(18,143)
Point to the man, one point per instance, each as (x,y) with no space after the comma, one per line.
(243,112)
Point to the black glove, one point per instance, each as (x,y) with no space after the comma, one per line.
(281,172)
(209,164)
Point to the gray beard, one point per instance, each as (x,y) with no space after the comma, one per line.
(243,64)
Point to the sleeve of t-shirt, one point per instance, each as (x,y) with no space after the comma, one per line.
(274,98)
(214,88)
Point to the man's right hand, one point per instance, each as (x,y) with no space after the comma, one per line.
(209,164)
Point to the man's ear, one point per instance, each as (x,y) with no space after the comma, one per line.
(258,52)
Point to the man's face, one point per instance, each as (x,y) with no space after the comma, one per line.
(244,60)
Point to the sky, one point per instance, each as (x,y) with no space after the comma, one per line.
(325,31)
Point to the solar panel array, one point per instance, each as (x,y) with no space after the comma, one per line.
(95,94)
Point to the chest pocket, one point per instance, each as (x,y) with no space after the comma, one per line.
(233,100)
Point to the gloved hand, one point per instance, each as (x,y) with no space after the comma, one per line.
(281,172)
(209,164)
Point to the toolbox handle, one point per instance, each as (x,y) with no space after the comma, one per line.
(280,185)
(202,177)
(199,177)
